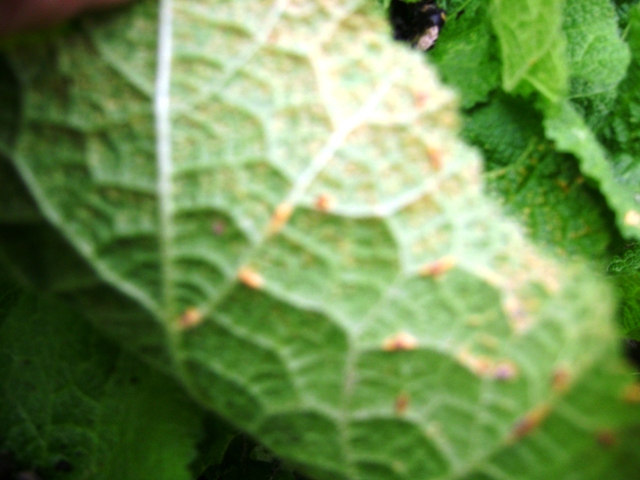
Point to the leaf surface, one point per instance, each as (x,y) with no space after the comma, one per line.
(282,189)
(533,46)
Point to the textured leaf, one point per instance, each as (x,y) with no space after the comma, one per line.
(626,269)
(281,187)
(73,406)
(543,189)
(597,56)
(533,46)
(466,55)
(571,134)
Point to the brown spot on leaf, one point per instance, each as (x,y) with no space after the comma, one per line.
(280,217)
(606,438)
(435,158)
(400,341)
(529,422)
(250,278)
(561,380)
(325,202)
(402,403)
(190,318)
(439,267)
(632,393)
(218,227)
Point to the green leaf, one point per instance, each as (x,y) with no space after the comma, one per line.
(533,46)
(626,271)
(466,55)
(73,406)
(543,189)
(282,189)
(597,57)
(571,134)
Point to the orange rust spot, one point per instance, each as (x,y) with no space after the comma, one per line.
(325,202)
(435,158)
(439,267)
(400,341)
(250,278)
(280,217)
(632,393)
(606,438)
(561,380)
(632,218)
(190,318)
(529,422)
(402,403)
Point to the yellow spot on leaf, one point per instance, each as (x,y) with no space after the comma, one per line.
(190,318)
(632,218)
(529,422)
(561,380)
(400,341)
(439,267)
(325,202)
(280,217)
(250,278)
(632,393)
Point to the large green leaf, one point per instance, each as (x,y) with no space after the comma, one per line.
(73,406)
(281,188)
(533,46)
(544,189)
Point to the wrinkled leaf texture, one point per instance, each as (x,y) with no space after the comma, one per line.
(278,193)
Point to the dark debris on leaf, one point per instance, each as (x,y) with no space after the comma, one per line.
(632,352)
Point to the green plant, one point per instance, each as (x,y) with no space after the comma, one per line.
(265,210)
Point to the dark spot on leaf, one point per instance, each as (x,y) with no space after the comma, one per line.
(218,227)
(402,403)
(606,438)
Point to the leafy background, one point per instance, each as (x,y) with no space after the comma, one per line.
(267,211)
